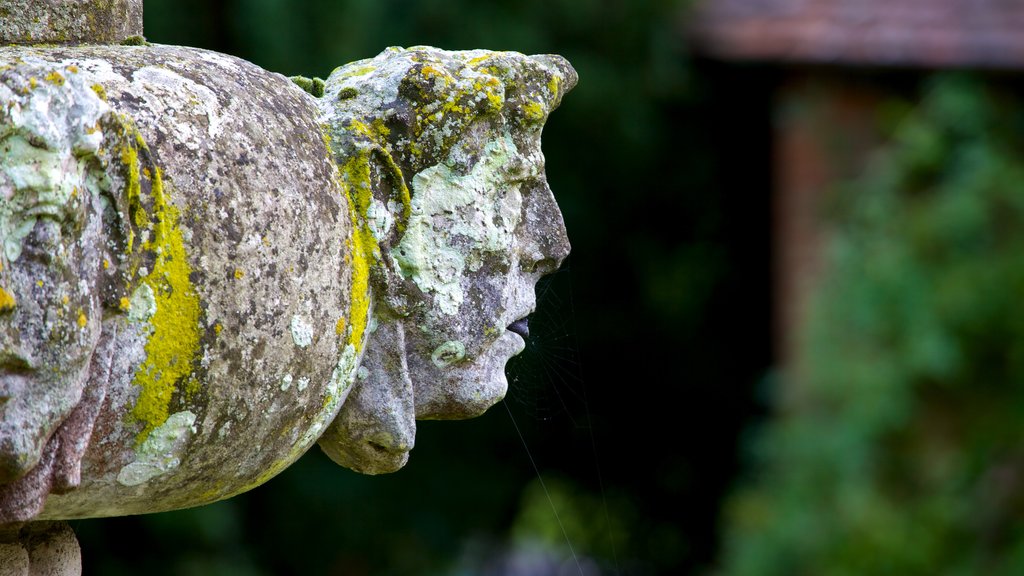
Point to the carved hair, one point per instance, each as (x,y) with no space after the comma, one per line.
(405,110)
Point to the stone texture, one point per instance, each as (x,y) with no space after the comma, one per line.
(69,21)
(13,559)
(39,549)
(458,222)
(54,551)
(212,222)
(196,253)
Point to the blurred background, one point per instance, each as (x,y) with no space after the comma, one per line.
(790,337)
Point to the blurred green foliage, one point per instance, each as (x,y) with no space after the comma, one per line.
(898,449)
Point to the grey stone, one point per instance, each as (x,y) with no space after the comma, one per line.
(13,559)
(69,21)
(461,225)
(201,262)
(54,551)
(208,218)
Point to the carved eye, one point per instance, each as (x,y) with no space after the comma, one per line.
(43,243)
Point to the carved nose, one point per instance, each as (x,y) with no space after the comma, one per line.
(545,243)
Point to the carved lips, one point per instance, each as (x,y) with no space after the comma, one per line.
(521,327)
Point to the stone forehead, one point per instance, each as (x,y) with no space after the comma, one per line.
(422,73)
(52,107)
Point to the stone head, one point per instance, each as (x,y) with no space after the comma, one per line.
(441,153)
(183,313)
(53,221)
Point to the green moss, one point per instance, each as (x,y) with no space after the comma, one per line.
(135,41)
(314,86)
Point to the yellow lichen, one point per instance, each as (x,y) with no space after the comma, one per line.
(124,304)
(339,328)
(534,111)
(553,85)
(356,185)
(82,319)
(359,71)
(375,131)
(7,301)
(100,91)
(239,273)
(55,78)
(106,264)
(130,158)
(174,342)
(430,72)
(73,69)
(217,328)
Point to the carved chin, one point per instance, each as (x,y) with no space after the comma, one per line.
(469,390)
(369,446)
(367,457)
(20,445)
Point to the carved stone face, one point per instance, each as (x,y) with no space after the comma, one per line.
(479,237)
(458,264)
(49,226)
(182,314)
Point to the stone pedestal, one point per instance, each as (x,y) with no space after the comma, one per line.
(40,549)
(69,21)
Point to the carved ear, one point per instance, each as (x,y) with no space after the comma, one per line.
(125,175)
(391,191)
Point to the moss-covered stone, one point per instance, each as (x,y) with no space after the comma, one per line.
(204,266)
(69,21)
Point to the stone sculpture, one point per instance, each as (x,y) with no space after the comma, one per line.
(205,269)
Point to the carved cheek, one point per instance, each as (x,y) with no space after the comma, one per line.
(47,339)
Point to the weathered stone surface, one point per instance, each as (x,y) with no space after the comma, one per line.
(54,551)
(460,224)
(175,235)
(69,21)
(13,559)
(39,549)
(196,252)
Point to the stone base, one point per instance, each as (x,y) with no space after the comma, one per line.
(69,21)
(40,549)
